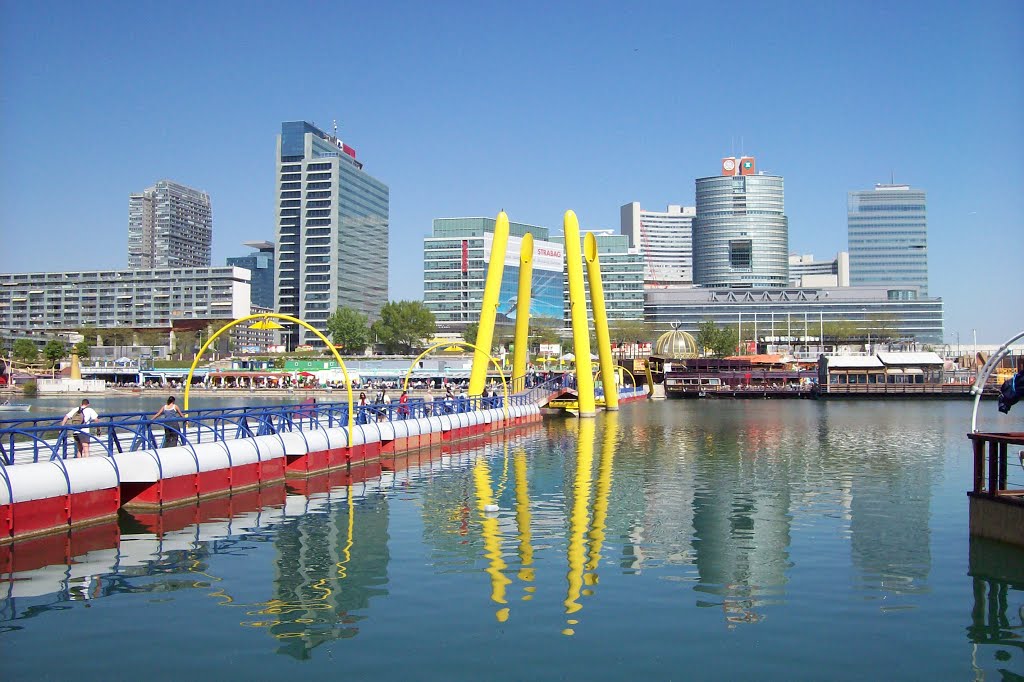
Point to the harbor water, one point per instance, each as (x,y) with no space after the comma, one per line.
(794,540)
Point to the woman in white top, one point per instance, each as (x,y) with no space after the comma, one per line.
(83,415)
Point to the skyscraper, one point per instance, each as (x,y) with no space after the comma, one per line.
(887,230)
(332,229)
(664,239)
(261,264)
(169,226)
(741,233)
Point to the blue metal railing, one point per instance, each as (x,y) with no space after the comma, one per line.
(47,438)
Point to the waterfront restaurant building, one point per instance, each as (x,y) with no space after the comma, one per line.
(873,311)
(331,235)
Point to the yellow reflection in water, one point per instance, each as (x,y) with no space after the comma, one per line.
(604,487)
(579,516)
(578,561)
(526,572)
(278,607)
(491,535)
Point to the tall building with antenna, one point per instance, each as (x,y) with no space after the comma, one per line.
(331,220)
(887,230)
(169,226)
(741,233)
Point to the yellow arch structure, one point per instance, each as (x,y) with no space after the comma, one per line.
(266,324)
(456,344)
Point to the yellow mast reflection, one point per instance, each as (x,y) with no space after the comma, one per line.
(604,487)
(578,519)
(492,538)
(523,517)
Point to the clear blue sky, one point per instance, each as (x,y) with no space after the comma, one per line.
(468,108)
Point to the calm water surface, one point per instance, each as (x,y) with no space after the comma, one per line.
(675,540)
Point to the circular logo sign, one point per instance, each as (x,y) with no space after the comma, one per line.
(728,164)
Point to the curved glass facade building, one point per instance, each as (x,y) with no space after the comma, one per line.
(741,233)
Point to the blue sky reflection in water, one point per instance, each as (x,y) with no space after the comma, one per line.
(716,540)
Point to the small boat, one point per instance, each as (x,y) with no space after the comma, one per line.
(8,406)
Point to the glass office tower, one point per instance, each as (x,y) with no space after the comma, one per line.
(887,230)
(332,230)
(741,233)
(261,264)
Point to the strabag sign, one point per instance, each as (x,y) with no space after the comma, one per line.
(546,255)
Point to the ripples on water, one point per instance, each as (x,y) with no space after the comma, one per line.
(779,539)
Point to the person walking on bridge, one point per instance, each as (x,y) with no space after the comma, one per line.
(171,428)
(81,416)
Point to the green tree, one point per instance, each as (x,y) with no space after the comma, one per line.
(707,335)
(725,341)
(54,351)
(721,341)
(82,349)
(152,337)
(470,332)
(117,336)
(404,324)
(25,351)
(629,331)
(546,329)
(349,329)
(89,333)
(184,343)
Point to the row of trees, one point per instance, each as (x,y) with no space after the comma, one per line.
(401,326)
(53,352)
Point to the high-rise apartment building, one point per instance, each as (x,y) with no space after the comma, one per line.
(887,230)
(261,264)
(169,226)
(665,240)
(741,233)
(332,230)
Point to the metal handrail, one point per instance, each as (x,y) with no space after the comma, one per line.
(111,431)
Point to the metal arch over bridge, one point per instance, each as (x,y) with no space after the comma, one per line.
(263,321)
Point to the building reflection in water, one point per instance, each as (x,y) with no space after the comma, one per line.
(328,566)
(741,521)
(996,629)
(888,482)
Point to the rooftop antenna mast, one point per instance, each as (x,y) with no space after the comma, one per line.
(335,127)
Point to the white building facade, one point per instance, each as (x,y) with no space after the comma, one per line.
(664,239)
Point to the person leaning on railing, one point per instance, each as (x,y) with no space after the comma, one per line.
(171,428)
(81,415)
